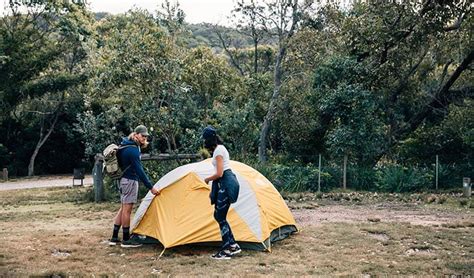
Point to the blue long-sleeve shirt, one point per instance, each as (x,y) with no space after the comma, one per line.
(129,161)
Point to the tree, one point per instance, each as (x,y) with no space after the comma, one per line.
(280,19)
(39,48)
(409,51)
(251,25)
(376,53)
(134,75)
(411,70)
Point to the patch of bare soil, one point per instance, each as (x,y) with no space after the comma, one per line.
(372,213)
(447,210)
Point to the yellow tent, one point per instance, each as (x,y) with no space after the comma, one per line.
(182,213)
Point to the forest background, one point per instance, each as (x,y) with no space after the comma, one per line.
(385,85)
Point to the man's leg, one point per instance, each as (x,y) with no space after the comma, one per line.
(117,220)
(129,197)
(117,223)
(118,217)
(126,213)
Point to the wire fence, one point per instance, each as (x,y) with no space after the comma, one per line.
(326,175)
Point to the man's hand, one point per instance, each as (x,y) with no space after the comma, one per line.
(207,180)
(155,191)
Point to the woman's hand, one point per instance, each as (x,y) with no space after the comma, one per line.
(207,180)
(155,191)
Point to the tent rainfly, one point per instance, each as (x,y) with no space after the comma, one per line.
(182,213)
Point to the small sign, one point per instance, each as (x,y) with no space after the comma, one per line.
(466,182)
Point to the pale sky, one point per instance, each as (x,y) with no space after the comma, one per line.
(197,11)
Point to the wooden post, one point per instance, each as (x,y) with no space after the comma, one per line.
(98,178)
(437,166)
(466,187)
(345,172)
(5,174)
(319,174)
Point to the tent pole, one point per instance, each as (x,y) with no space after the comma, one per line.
(269,249)
(161,254)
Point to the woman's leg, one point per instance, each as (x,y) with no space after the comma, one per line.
(220,213)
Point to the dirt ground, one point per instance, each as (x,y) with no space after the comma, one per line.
(55,232)
(42,182)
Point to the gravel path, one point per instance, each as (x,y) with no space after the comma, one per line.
(53,181)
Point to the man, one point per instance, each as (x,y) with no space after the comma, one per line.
(129,161)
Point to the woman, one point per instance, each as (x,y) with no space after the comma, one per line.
(225,191)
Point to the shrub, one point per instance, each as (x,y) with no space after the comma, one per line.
(397,178)
(362,178)
(295,178)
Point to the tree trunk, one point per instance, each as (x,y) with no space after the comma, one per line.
(41,141)
(255,58)
(168,143)
(262,147)
(31,166)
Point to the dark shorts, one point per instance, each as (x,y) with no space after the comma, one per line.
(128,191)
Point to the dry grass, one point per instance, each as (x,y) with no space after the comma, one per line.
(52,232)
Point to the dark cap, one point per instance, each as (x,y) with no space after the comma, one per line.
(209,132)
(142,130)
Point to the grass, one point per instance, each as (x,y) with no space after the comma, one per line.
(54,232)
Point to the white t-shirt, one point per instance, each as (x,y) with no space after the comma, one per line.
(222,151)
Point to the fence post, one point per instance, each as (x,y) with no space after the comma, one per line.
(345,172)
(466,186)
(5,174)
(437,165)
(319,174)
(98,178)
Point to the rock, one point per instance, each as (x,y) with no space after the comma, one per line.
(373,219)
(430,199)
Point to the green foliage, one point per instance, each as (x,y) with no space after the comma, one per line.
(351,111)
(97,130)
(362,178)
(366,82)
(239,128)
(451,139)
(204,34)
(396,178)
(4,158)
(42,53)
(296,177)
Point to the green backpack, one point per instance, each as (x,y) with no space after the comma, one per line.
(111,166)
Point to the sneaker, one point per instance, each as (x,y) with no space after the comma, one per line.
(130,244)
(114,241)
(222,255)
(234,249)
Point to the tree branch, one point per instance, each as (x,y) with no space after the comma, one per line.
(464,65)
(231,56)
(402,82)
(443,97)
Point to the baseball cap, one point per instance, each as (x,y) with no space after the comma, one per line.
(209,132)
(142,130)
